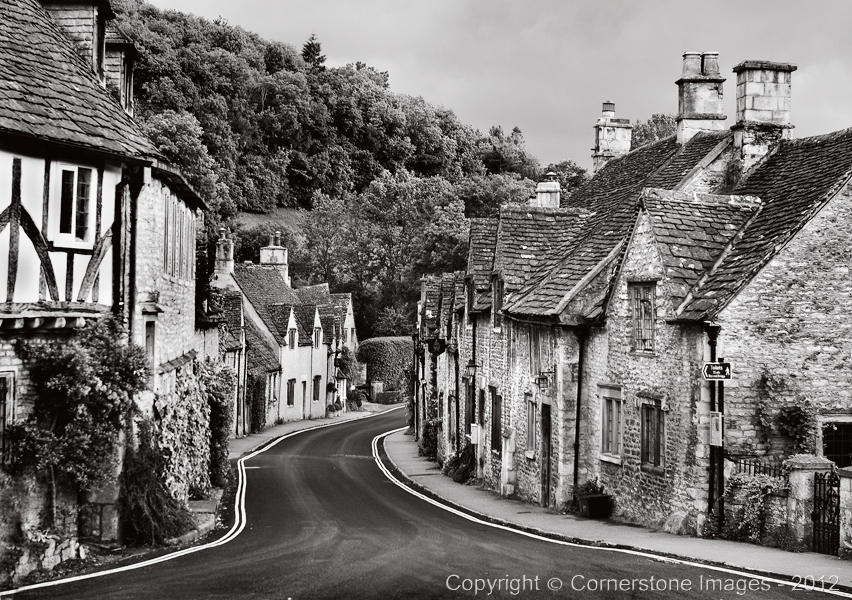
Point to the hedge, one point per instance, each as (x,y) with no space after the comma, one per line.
(387,359)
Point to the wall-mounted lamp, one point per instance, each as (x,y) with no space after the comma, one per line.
(470,370)
(544,378)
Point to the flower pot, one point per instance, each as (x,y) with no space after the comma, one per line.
(595,506)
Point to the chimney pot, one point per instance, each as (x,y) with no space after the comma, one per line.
(277,238)
(691,64)
(710,64)
(612,136)
(699,96)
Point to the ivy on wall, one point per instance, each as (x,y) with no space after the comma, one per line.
(387,359)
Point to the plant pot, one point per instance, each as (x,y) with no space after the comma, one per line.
(595,506)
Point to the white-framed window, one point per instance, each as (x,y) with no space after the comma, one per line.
(7,413)
(611,421)
(531,423)
(72,205)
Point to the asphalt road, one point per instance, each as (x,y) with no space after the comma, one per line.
(323,521)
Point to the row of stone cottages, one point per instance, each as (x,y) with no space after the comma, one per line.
(94,221)
(572,347)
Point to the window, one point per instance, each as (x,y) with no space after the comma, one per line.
(496,421)
(497,284)
(481,408)
(317,381)
(317,337)
(535,349)
(837,443)
(653,434)
(291,339)
(304,393)
(291,392)
(7,414)
(178,238)
(469,397)
(642,316)
(451,408)
(150,344)
(531,421)
(610,420)
(75,199)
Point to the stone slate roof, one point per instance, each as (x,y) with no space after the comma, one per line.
(263,286)
(692,231)
(431,306)
(458,289)
(446,301)
(314,294)
(261,357)
(794,183)
(232,304)
(332,325)
(48,92)
(526,236)
(610,199)
(305,314)
(483,236)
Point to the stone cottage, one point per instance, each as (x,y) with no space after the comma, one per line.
(94,222)
(712,243)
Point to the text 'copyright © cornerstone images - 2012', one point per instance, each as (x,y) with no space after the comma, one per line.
(491,586)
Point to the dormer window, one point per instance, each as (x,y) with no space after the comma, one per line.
(291,339)
(317,337)
(71,207)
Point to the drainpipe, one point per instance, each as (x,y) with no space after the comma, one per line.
(720,453)
(582,335)
(457,400)
(712,336)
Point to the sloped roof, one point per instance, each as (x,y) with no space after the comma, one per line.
(431,305)
(305,314)
(483,236)
(280,317)
(331,323)
(232,304)
(263,286)
(48,92)
(446,301)
(260,356)
(314,294)
(458,288)
(692,230)
(793,183)
(610,198)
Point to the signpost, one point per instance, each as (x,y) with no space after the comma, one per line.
(717,371)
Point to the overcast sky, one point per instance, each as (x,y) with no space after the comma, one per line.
(546,66)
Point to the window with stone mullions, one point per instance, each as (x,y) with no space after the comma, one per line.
(611,434)
(642,318)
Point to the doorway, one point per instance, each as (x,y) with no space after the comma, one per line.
(546,451)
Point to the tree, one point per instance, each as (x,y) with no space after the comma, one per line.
(569,174)
(659,126)
(484,194)
(312,54)
(507,154)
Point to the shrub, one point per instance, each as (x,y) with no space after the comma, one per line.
(462,466)
(387,359)
(150,514)
(219,380)
(429,439)
(348,365)
(256,398)
(355,398)
(389,397)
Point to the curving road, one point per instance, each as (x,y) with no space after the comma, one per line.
(323,521)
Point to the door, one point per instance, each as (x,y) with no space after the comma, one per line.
(546,451)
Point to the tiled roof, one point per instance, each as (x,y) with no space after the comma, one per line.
(459,291)
(483,235)
(431,305)
(305,314)
(232,303)
(280,317)
(331,324)
(794,183)
(261,357)
(527,235)
(314,294)
(447,299)
(47,91)
(610,198)
(692,230)
(264,286)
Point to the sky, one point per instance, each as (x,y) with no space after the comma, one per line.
(546,66)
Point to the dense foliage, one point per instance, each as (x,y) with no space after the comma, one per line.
(84,388)
(659,126)
(391,178)
(219,382)
(387,359)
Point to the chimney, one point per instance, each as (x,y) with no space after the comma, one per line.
(224,254)
(612,137)
(275,255)
(84,23)
(763,109)
(699,95)
(547,192)
(121,56)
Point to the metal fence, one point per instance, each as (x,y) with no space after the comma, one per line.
(755,467)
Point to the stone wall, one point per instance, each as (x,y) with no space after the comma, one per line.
(788,335)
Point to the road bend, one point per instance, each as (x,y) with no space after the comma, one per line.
(324,521)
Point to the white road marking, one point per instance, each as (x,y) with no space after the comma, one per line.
(236,528)
(478,521)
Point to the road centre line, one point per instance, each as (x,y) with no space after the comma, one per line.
(535,536)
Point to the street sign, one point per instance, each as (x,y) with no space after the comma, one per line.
(717,371)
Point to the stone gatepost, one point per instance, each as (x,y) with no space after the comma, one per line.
(508,476)
(845,512)
(800,500)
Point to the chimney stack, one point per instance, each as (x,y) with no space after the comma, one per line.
(275,255)
(699,95)
(224,254)
(763,109)
(547,192)
(612,137)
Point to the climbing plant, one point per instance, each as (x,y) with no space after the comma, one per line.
(798,422)
(219,382)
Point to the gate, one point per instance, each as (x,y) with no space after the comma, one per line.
(826,514)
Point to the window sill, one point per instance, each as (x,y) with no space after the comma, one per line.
(643,353)
(530,454)
(495,453)
(497,329)
(660,471)
(611,458)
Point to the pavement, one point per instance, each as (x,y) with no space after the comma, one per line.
(245,445)
(421,473)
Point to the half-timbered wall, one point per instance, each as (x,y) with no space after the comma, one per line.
(45,265)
